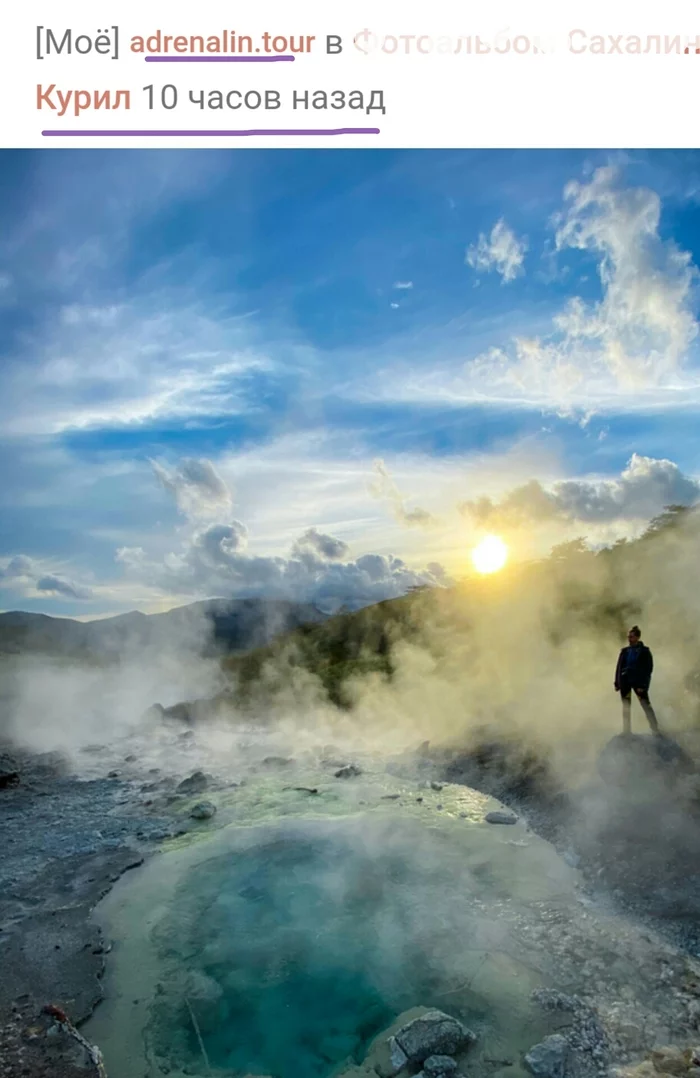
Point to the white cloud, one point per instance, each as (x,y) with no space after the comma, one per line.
(643,326)
(318,545)
(633,347)
(636,338)
(196,486)
(502,251)
(403,284)
(215,562)
(214,558)
(30,577)
(643,489)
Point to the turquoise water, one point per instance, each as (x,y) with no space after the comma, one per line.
(294,954)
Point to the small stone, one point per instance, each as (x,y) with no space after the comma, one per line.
(436,786)
(548,1059)
(203,810)
(500,817)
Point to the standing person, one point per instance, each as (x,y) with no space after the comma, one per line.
(633,672)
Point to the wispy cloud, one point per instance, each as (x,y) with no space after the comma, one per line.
(501,251)
(385,489)
(155,358)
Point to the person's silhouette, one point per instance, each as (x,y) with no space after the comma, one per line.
(633,674)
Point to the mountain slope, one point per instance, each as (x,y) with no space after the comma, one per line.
(211,626)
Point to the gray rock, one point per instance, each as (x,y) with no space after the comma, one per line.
(548,1059)
(398,1057)
(500,817)
(439,1066)
(203,810)
(9,771)
(434,1033)
(549,999)
(348,772)
(197,783)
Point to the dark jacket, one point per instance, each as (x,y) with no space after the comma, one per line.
(639,675)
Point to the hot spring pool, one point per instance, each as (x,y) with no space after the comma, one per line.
(284,948)
(285,941)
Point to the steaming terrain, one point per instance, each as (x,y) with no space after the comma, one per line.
(316,860)
(307,923)
(326,893)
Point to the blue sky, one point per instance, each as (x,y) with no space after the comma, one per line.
(325,374)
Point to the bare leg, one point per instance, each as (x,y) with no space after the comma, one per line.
(626,713)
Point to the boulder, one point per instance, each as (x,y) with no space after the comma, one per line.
(196,783)
(203,810)
(548,1059)
(500,817)
(433,1034)
(628,759)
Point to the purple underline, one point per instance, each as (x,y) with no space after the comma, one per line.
(218,59)
(207,134)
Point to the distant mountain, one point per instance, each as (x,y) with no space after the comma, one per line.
(212,626)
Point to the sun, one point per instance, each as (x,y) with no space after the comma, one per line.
(490,555)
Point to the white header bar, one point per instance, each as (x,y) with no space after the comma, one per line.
(384,75)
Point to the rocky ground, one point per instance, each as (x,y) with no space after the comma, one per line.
(632,829)
(67,839)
